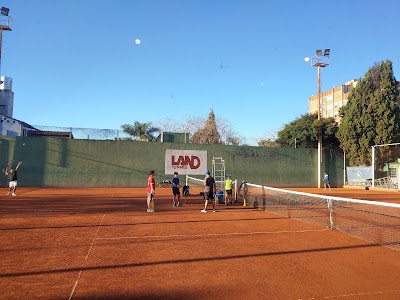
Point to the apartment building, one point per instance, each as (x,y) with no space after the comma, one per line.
(332,100)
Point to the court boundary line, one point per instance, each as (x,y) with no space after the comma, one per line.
(86,258)
(352,294)
(212,234)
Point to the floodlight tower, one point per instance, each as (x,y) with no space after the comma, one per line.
(5,24)
(320,60)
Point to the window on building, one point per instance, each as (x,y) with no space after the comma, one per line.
(392,172)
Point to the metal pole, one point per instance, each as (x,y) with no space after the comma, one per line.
(344,168)
(319,131)
(319,93)
(1,44)
(373,166)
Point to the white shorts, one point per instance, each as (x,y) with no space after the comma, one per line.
(12,184)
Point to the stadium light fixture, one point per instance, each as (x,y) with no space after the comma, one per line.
(327,52)
(5,11)
(318,52)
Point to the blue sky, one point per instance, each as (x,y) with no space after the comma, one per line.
(76,64)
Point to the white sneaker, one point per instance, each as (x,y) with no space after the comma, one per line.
(214,210)
(204,210)
(13,194)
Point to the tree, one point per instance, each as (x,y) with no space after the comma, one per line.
(141,131)
(303,132)
(192,124)
(267,143)
(209,133)
(235,140)
(371,116)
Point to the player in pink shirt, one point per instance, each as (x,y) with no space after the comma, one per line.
(151,190)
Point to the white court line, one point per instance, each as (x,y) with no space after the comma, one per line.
(209,234)
(351,295)
(87,256)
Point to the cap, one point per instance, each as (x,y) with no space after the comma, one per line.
(229,175)
(206,171)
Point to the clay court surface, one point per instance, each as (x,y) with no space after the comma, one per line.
(102,244)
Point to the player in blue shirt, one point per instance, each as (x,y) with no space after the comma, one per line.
(326,181)
(176,195)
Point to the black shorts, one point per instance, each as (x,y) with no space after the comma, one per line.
(209,196)
(228,192)
(175,191)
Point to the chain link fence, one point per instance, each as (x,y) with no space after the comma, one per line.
(80,133)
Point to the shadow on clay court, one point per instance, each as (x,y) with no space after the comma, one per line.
(184,261)
(141,223)
(177,295)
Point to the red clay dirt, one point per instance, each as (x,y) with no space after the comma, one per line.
(102,244)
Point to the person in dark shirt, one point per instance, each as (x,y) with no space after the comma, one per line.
(12,179)
(176,195)
(209,191)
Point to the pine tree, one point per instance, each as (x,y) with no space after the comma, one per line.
(209,133)
(371,116)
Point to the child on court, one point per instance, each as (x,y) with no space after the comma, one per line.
(176,195)
(326,181)
(228,190)
(151,190)
(12,179)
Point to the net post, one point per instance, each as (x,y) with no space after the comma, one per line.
(263,198)
(373,166)
(236,190)
(330,207)
(244,192)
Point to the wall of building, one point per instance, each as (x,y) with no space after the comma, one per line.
(6,103)
(10,127)
(331,100)
(6,97)
(60,162)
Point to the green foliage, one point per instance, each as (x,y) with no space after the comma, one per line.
(209,133)
(141,131)
(371,116)
(303,132)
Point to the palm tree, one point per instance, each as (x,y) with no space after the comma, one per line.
(141,131)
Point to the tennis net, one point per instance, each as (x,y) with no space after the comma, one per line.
(376,222)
